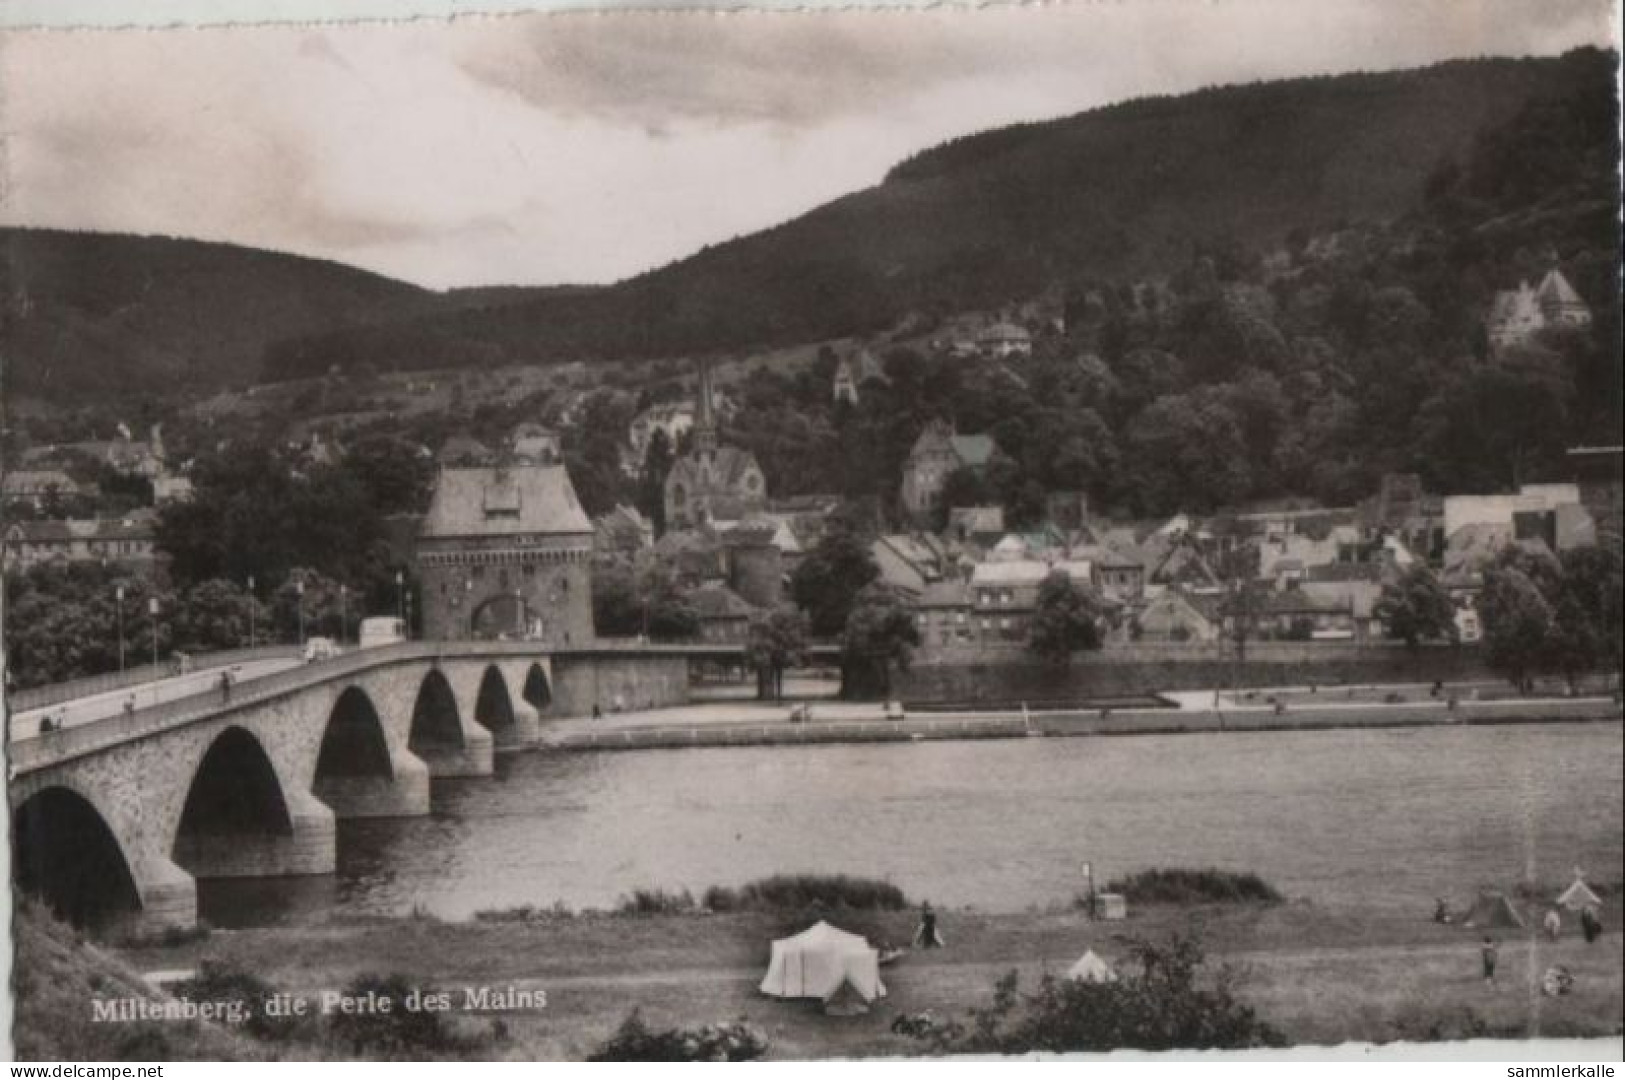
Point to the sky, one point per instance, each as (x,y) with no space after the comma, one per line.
(588,147)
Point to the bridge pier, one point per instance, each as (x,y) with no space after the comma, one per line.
(526,730)
(308,847)
(472,758)
(168,896)
(404,793)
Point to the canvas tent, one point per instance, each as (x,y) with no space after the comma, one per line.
(1091,968)
(1578,897)
(1493,909)
(820,961)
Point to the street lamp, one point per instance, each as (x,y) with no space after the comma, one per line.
(252,604)
(120,594)
(344,613)
(152,610)
(299,589)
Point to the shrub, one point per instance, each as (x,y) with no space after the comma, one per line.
(657,902)
(796,892)
(1158,1007)
(222,981)
(635,1041)
(1195,887)
(400,1032)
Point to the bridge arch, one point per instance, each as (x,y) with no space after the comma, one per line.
(353,742)
(234,807)
(355,772)
(538,690)
(435,722)
(65,853)
(493,708)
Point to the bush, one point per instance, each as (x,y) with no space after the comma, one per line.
(796,892)
(218,980)
(401,1032)
(1195,887)
(657,902)
(634,1041)
(1158,1007)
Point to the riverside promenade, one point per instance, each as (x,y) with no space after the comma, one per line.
(740,723)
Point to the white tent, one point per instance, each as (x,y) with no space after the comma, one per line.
(1579,895)
(1091,968)
(815,962)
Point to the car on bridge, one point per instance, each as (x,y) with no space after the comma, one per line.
(382,630)
(320,648)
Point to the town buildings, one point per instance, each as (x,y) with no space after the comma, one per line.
(127,540)
(1518,316)
(937,452)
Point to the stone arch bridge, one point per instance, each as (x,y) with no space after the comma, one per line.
(114,820)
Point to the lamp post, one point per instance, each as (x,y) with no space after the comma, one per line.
(408,602)
(518,614)
(344,613)
(252,604)
(299,589)
(400,593)
(120,595)
(152,610)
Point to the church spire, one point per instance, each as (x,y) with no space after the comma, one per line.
(705,419)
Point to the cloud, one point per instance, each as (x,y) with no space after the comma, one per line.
(589,147)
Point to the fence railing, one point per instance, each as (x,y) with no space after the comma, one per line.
(37,697)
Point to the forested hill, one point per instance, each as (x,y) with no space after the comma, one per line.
(1114,192)
(95,316)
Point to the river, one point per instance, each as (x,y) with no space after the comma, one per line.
(1377,818)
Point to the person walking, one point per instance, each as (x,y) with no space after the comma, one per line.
(1553,924)
(1488,954)
(225,686)
(926,937)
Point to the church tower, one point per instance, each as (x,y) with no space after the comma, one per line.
(705,416)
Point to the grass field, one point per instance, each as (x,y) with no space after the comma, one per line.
(1320,976)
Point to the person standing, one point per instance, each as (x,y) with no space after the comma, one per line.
(1554,924)
(1590,925)
(926,937)
(1488,954)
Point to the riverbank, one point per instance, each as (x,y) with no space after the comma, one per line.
(1321,975)
(758,724)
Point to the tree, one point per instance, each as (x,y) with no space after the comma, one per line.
(880,635)
(396,474)
(778,640)
(1160,1006)
(829,579)
(1065,620)
(316,612)
(657,462)
(1517,623)
(216,614)
(1586,612)
(1416,607)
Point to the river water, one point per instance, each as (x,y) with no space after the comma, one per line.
(1377,818)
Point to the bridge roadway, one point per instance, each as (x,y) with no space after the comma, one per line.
(117,816)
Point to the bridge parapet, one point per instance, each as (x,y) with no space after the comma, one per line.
(52,748)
